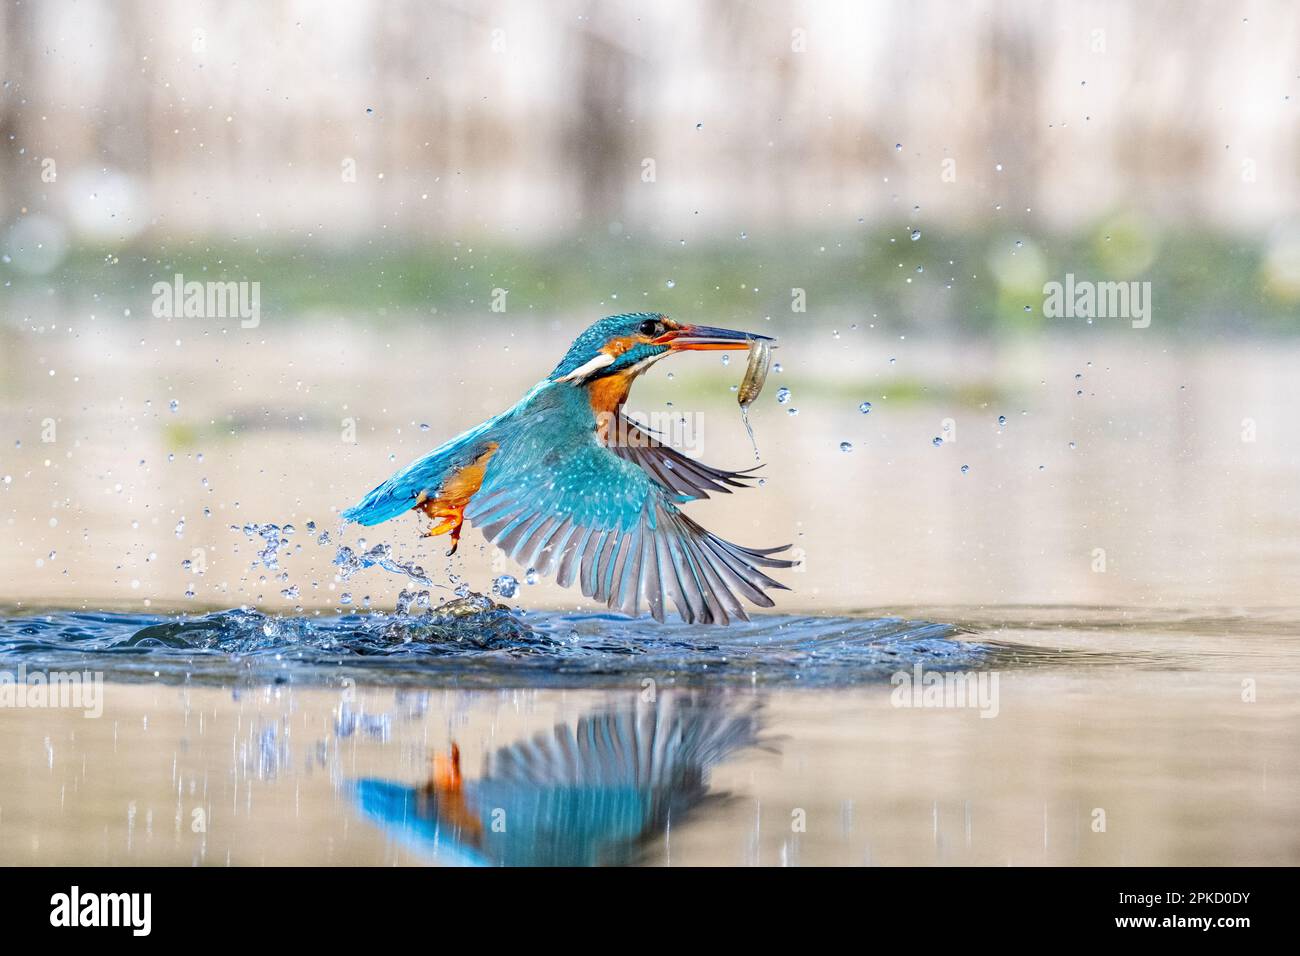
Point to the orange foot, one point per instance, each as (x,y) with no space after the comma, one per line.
(444,519)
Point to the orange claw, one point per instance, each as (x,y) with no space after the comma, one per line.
(444,519)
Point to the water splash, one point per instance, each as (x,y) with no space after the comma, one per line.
(381,555)
(475,642)
(273,539)
(412,602)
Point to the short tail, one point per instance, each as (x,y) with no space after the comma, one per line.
(403,490)
(383,502)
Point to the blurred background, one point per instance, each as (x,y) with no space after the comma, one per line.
(433,199)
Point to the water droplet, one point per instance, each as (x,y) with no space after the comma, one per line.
(846,446)
(936,441)
(898,147)
(671,283)
(726,359)
(174,406)
(965,468)
(782,395)
(345,598)
(505,586)
(916,234)
(531,576)
(793,411)
(1002,420)
(865,408)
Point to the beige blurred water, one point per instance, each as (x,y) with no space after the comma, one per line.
(1148,569)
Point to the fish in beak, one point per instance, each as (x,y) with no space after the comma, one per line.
(708,338)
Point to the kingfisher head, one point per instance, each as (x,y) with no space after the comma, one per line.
(624,346)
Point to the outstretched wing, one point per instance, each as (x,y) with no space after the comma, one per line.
(555,498)
(674,471)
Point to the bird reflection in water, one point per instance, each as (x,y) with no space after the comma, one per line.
(586,793)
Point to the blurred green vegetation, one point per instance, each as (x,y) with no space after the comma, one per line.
(968,283)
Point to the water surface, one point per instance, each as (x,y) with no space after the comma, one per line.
(1120,736)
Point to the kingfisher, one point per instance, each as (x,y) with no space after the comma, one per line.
(566,484)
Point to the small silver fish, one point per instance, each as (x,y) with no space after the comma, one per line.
(760,362)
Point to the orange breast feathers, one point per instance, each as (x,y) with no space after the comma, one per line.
(608,394)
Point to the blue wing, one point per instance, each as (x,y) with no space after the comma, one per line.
(555,498)
(679,474)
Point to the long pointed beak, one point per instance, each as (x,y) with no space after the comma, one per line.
(706,337)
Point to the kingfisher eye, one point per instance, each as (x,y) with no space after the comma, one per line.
(652,328)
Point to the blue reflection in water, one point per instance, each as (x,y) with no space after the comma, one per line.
(586,793)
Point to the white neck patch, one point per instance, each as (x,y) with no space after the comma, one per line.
(582,371)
